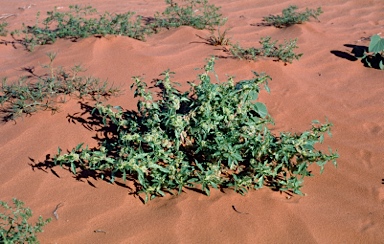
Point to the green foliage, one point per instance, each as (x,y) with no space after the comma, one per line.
(283,52)
(14,226)
(195,13)
(214,135)
(3,30)
(375,55)
(290,17)
(27,96)
(80,23)
(376,45)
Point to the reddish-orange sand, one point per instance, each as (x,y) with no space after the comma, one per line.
(343,205)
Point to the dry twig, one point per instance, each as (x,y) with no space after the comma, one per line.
(27,6)
(55,211)
(4,16)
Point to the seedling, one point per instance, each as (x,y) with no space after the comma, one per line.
(291,17)
(214,135)
(14,226)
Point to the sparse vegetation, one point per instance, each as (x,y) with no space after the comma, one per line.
(28,96)
(81,22)
(78,23)
(214,135)
(291,17)
(283,52)
(14,226)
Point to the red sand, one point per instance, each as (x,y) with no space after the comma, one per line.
(343,205)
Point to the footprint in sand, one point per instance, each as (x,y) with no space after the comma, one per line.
(366,224)
(366,158)
(372,128)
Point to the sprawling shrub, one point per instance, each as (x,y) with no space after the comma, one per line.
(214,135)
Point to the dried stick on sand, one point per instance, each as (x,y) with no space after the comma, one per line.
(27,6)
(55,211)
(4,16)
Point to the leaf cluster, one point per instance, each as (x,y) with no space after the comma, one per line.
(214,135)
(290,17)
(375,55)
(27,95)
(284,52)
(14,226)
(3,30)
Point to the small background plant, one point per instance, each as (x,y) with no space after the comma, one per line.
(4,24)
(283,52)
(14,226)
(28,96)
(290,17)
(3,30)
(195,13)
(214,135)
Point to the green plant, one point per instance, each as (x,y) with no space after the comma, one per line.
(290,17)
(3,30)
(78,23)
(14,226)
(283,52)
(196,13)
(214,135)
(375,55)
(27,96)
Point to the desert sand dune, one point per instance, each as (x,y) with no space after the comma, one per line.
(343,205)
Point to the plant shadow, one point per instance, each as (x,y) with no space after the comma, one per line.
(265,24)
(359,53)
(91,121)
(13,43)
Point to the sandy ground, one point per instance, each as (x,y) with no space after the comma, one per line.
(343,205)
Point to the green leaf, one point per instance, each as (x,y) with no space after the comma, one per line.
(73,168)
(261,109)
(377,44)
(253,95)
(77,148)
